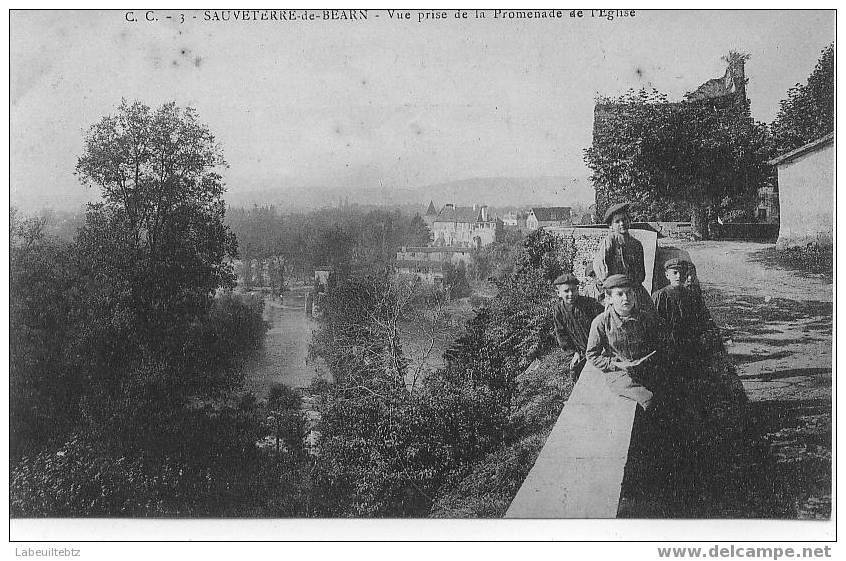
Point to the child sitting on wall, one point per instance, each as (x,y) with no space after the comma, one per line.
(624,341)
(572,317)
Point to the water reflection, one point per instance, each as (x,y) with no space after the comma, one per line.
(282,360)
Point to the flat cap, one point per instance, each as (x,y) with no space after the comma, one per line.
(676,263)
(615,209)
(617,281)
(566,278)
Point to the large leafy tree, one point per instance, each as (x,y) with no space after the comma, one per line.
(700,157)
(808,111)
(151,256)
(159,233)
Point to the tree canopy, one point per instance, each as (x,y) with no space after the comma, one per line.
(159,232)
(698,158)
(328,236)
(808,111)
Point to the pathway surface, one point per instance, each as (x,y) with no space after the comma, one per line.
(779,329)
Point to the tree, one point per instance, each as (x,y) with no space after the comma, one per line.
(808,112)
(152,255)
(704,156)
(159,231)
(419,233)
(455,280)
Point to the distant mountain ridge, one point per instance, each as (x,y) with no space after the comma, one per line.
(492,191)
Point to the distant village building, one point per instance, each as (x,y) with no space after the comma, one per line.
(540,217)
(431,214)
(514,220)
(465,227)
(768,209)
(426,263)
(806,192)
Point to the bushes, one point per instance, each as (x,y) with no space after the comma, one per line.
(217,343)
(204,462)
(486,489)
(391,449)
(77,481)
(388,454)
(812,258)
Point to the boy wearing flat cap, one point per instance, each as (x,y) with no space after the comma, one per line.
(624,341)
(621,254)
(571,319)
(692,331)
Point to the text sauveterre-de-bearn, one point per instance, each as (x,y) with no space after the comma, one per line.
(416,16)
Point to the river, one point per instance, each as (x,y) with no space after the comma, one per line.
(282,359)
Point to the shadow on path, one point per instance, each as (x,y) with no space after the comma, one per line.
(767,458)
(819,263)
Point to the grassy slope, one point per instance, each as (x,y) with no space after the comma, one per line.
(487,490)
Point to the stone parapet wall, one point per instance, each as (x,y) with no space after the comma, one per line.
(586,241)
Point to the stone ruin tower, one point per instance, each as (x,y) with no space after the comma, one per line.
(733,82)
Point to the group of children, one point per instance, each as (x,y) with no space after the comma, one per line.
(690,435)
(643,344)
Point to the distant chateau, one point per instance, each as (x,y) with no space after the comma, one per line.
(456,232)
(465,226)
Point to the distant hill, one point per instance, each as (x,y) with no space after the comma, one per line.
(493,191)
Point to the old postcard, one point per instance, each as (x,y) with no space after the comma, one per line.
(342,274)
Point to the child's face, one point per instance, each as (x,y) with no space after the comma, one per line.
(568,292)
(620,223)
(675,276)
(622,299)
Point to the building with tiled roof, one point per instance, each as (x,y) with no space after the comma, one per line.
(540,217)
(465,226)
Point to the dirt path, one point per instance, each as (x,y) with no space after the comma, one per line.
(779,329)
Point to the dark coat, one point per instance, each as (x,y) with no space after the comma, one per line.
(692,331)
(571,325)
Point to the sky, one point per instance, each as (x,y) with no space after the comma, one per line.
(354,103)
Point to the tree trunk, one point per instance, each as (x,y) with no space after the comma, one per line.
(699,220)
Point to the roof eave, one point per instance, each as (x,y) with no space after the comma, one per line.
(802,150)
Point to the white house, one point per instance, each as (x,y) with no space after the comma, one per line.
(806,193)
(541,217)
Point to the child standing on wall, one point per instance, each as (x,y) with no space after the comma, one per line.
(621,254)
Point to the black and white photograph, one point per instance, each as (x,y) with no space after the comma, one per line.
(425,267)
